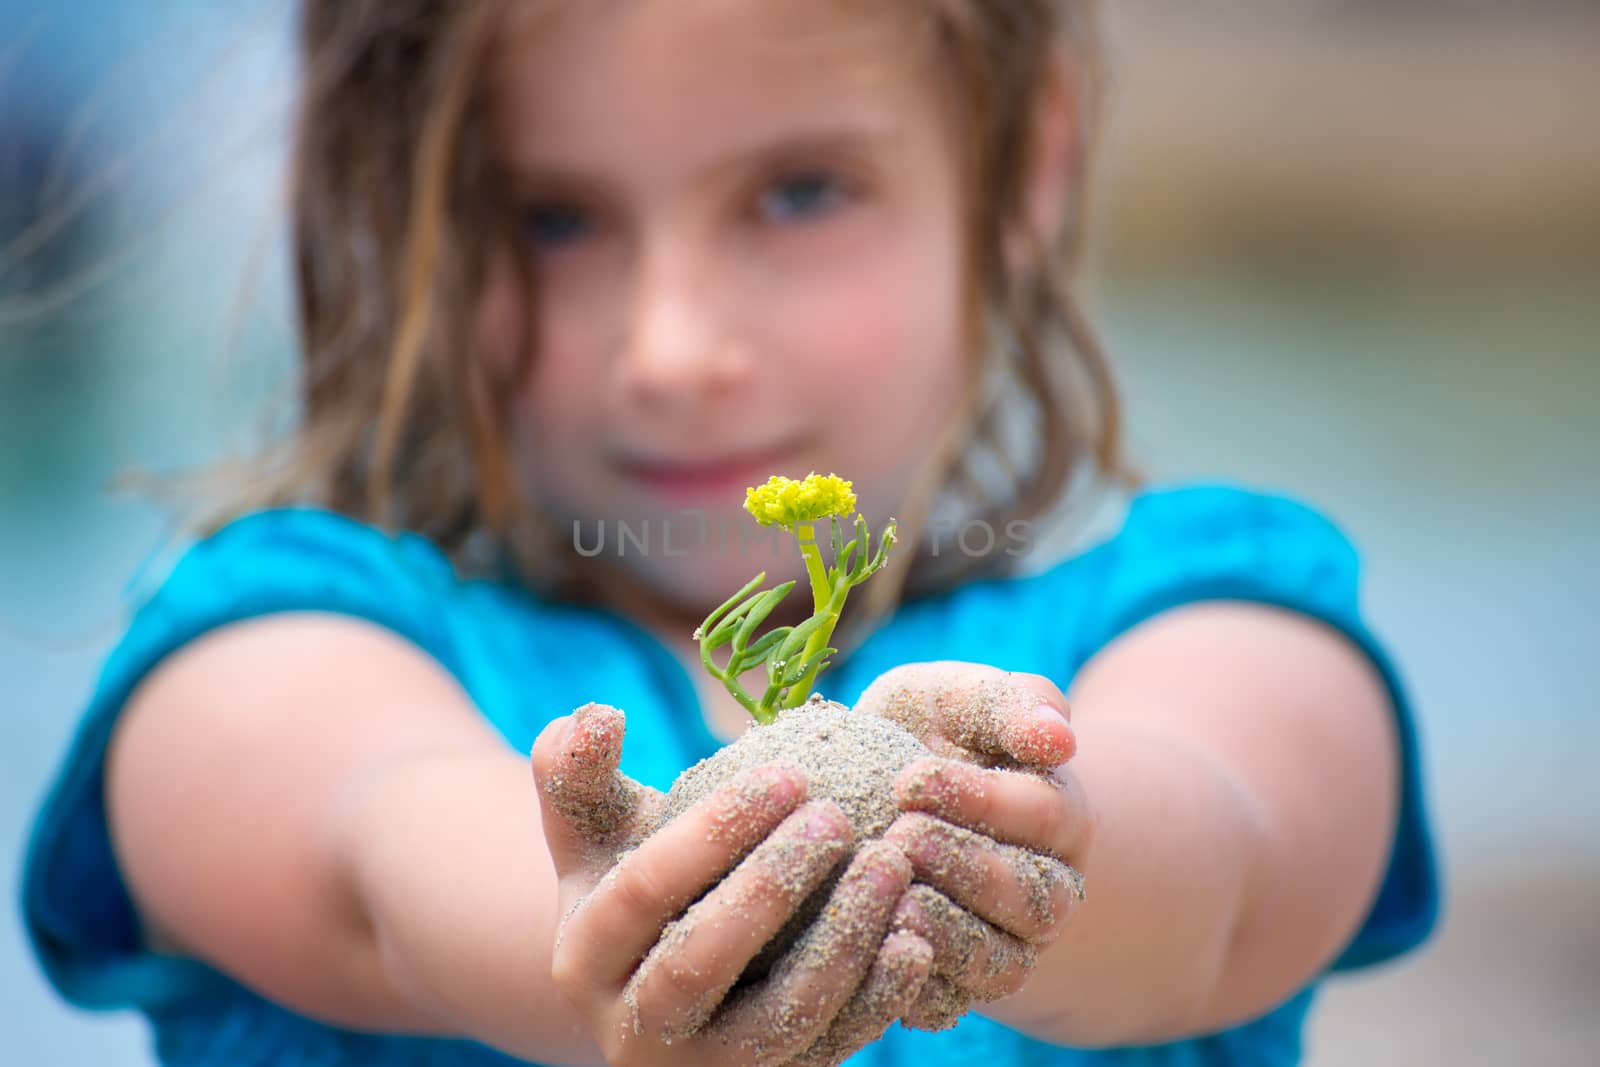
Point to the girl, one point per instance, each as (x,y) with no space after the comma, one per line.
(566,267)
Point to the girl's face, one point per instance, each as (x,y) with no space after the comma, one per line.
(746,223)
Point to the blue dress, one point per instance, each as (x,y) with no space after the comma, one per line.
(512,653)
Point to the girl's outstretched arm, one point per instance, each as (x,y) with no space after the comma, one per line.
(1230,803)
(1245,768)
(315,808)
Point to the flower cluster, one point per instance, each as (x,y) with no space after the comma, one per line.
(784,502)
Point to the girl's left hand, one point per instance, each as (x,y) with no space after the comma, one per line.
(997,830)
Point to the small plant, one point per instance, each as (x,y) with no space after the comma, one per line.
(794,655)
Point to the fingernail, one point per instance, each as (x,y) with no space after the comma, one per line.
(1049,713)
(886,879)
(778,778)
(886,866)
(766,789)
(920,848)
(907,915)
(822,825)
(558,731)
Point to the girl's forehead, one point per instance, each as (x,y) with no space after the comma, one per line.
(699,64)
(797,31)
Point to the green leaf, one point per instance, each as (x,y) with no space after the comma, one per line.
(799,667)
(765,643)
(885,542)
(718,637)
(864,538)
(758,613)
(711,620)
(730,624)
(850,550)
(798,636)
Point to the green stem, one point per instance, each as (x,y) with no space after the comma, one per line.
(816,570)
(749,702)
(818,639)
(823,597)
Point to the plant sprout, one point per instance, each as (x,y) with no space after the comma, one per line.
(794,655)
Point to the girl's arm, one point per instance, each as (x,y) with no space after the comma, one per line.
(1230,804)
(314,807)
(1245,771)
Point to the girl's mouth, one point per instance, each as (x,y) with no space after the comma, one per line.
(722,480)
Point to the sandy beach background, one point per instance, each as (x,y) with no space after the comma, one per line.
(1347,250)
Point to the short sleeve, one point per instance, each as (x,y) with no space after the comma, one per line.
(1198,543)
(77,910)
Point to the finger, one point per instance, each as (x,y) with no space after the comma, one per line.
(700,956)
(976,956)
(786,1013)
(586,805)
(1044,813)
(1025,893)
(977,712)
(621,919)
(888,991)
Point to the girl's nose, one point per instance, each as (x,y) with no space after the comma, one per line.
(680,347)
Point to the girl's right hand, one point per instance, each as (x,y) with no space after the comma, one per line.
(652,980)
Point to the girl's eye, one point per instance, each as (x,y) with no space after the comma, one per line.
(556,225)
(801,197)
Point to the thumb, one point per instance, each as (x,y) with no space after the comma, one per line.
(587,805)
(975,711)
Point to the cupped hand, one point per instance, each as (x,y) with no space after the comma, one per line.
(996,829)
(659,924)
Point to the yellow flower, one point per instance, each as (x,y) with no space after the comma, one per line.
(785,502)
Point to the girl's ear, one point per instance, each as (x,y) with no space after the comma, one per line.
(1052,162)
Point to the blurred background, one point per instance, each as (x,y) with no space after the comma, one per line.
(1348,249)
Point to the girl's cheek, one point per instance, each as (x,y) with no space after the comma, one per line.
(569,304)
(500,323)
